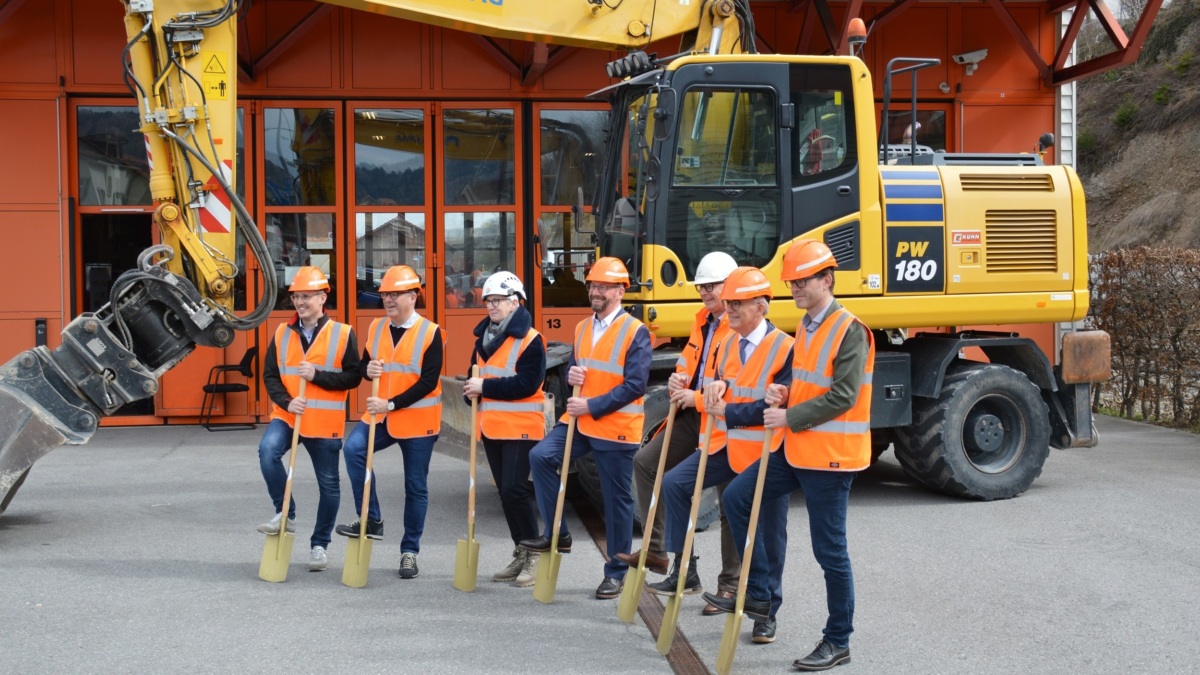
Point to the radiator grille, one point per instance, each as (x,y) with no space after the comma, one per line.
(975,182)
(1021,241)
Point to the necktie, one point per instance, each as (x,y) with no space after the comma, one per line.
(744,349)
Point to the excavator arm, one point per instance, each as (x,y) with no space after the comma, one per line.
(179,62)
(180,295)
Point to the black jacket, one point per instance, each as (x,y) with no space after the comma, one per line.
(531,365)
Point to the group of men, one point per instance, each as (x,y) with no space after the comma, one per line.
(806,398)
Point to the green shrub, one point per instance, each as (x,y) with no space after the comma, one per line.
(1086,141)
(1162,95)
(1125,115)
(1110,75)
(1180,67)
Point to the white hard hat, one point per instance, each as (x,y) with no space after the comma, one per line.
(714,268)
(503,283)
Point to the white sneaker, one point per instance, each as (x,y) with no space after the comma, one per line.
(272,525)
(317,560)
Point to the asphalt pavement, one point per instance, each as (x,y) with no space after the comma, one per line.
(138,553)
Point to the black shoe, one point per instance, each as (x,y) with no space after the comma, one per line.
(374,529)
(759,610)
(408,566)
(764,631)
(824,657)
(609,588)
(542,544)
(667,586)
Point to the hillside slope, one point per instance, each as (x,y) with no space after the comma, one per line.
(1139,140)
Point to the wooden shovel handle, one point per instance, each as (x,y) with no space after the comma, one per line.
(565,470)
(474,441)
(287,487)
(366,502)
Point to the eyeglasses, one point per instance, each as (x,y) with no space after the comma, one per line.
(304,297)
(603,288)
(797,284)
(709,288)
(395,295)
(734,305)
(495,302)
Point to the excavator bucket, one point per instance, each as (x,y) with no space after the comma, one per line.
(28,437)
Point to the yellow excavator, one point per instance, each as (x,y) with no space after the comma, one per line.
(714,148)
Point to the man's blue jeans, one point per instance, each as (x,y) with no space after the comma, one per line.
(827,496)
(614,463)
(417,453)
(275,443)
(678,487)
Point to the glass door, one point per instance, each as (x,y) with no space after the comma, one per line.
(300,202)
(480,172)
(390,156)
(568,145)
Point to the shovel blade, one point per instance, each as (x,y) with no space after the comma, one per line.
(358,562)
(466,565)
(666,632)
(729,643)
(631,593)
(547,577)
(276,557)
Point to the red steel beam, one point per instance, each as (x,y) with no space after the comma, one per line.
(1021,39)
(288,40)
(8,8)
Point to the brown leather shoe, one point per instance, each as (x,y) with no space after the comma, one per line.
(654,562)
(711,609)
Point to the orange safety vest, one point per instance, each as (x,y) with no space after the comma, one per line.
(689,358)
(324,411)
(606,371)
(401,370)
(843,443)
(522,419)
(747,384)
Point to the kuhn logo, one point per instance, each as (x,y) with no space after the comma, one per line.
(966,238)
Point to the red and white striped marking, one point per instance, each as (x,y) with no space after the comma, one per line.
(216,214)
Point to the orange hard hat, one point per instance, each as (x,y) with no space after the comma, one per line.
(806,257)
(399,278)
(609,270)
(746,283)
(309,279)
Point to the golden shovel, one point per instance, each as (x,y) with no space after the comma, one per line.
(358,551)
(466,558)
(636,579)
(548,562)
(277,549)
(733,624)
(666,631)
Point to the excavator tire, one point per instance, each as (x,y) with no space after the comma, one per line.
(985,437)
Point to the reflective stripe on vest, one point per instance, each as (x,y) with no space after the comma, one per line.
(324,411)
(402,370)
(843,443)
(522,419)
(744,446)
(606,372)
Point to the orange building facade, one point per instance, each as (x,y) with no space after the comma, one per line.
(368,141)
